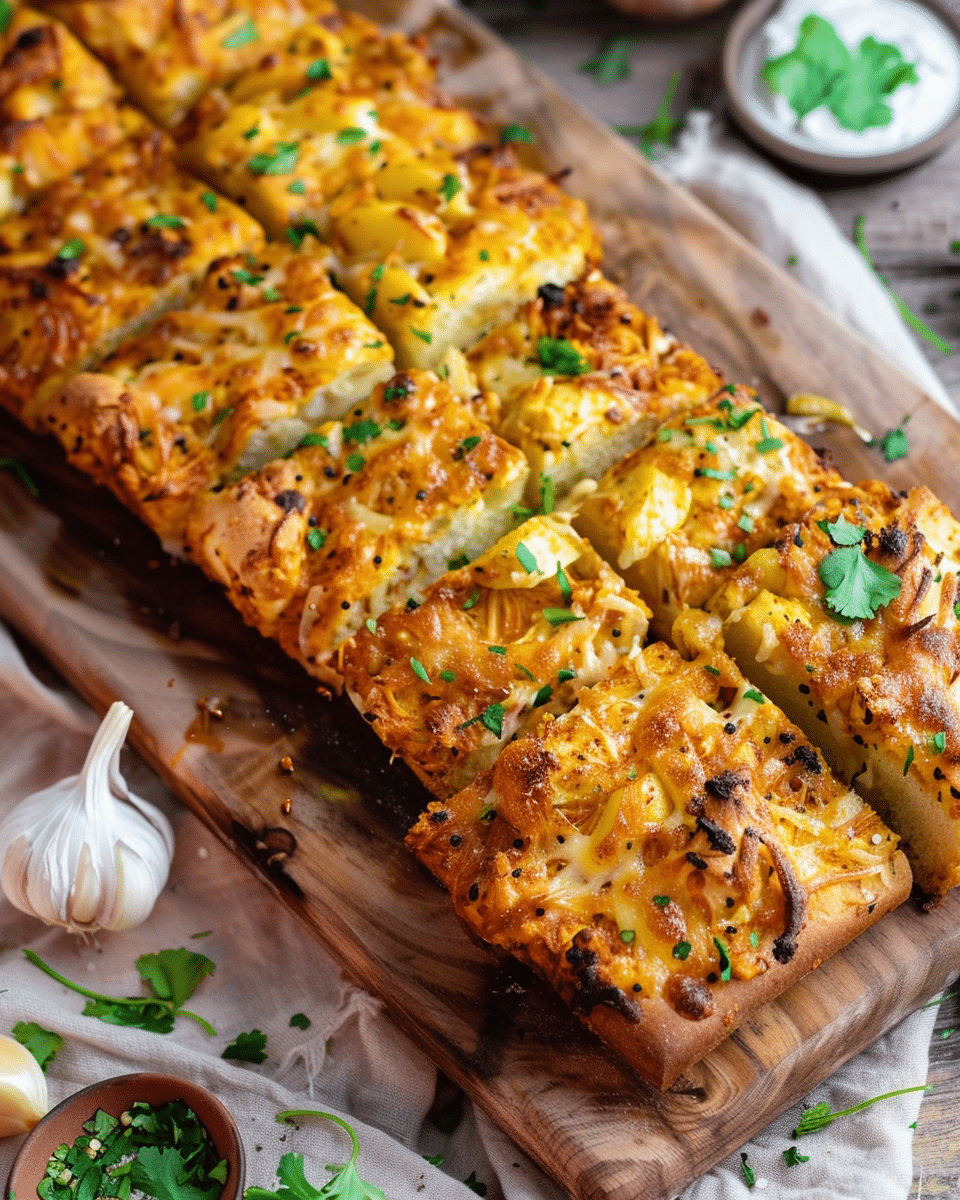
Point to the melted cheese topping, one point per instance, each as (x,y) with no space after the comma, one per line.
(678,515)
(881,693)
(99,254)
(367,513)
(267,348)
(672,832)
(514,634)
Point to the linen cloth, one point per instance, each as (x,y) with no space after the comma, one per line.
(352,1060)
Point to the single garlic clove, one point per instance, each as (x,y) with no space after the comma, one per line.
(23,1089)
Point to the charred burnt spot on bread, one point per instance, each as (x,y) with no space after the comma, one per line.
(718,837)
(591,988)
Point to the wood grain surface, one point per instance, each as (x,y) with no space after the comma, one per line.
(89,586)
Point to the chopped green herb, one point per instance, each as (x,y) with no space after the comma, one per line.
(241,275)
(740,552)
(42,1043)
(421,334)
(515,133)
(712,670)
(6,15)
(523,670)
(682,950)
(894,443)
(526,559)
(404,299)
(288,337)
(368,306)
(361,432)
(746,523)
(484,256)
(855,585)
(661,901)
(632,773)
(223,415)
(561,616)
(171,975)
(792,260)
(356,462)
(300,1021)
(450,186)
(454,564)
(561,357)
(754,939)
(917,324)
(293,308)
(419,670)
(663,128)
(566,591)
(316,538)
(372,626)
(165,221)
(281,162)
(842,532)
(754,695)
(271,295)
(713,473)
(242,36)
(468,444)
(546,493)
(11,464)
(252,132)
(911,755)
(749,1173)
(613,61)
(565,674)
(247,1047)
(820,1116)
(297,188)
(474,1184)
(792,1156)
(350,136)
(448,676)
(627,935)
(319,70)
(492,718)
(939,742)
(344,1182)
(497,649)
(373,346)
(521,513)
(543,695)
(725,964)
(72,249)
(720,558)
(767,444)
(472,599)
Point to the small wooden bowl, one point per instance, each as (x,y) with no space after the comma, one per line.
(65,1124)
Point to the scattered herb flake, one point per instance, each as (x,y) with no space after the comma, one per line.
(566,591)
(247,1047)
(356,462)
(448,676)
(454,564)
(313,439)
(344,1182)
(612,63)
(682,950)
(664,127)
(526,559)
(712,670)
(319,70)
(241,36)
(754,695)
(754,939)
(561,357)
(350,136)
(316,538)
(271,294)
(6,15)
(165,221)
(11,464)
(767,444)
(474,1184)
(894,443)
(492,718)
(661,901)
(911,755)
(281,162)
(725,965)
(720,558)
(223,415)
(820,1116)
(546,493)
(939,742)
(714,473)
(450,186)
(565,674)
(484,256)
(472,599)
(242,275)
(842,533)
(300,1021)
(749,1173)
(543,695)
(42,1043)
(297,188)
(419,670)
(72,249)
(421,334)
(515,133)
(361,432)
(627,935)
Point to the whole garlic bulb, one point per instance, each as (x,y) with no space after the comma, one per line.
(23,1088)
(86,853)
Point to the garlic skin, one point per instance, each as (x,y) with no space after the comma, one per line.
(86,853)
(23,1089)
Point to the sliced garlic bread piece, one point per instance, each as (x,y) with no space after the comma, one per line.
(491,647)
(266,349)
(668,855)
(851,624)
(98,257)
(676,516)
(365,515)
(585,376)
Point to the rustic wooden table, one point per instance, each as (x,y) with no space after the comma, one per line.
(911,220)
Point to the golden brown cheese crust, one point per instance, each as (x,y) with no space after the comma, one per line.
(368,512)
(58,107)
(585,376)
(668,855)
(496,645)
(267,348)
(880,693)
(677,516)
(436,272)
(99,255)
(168,53)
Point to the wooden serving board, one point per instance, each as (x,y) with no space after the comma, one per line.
(90,586)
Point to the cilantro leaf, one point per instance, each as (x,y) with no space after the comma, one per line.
(474,1184)
(895,444)
(749,1173)
(161,1172)
(319,70)
(805,75)
(450,186)
(820,1115)
(152,1017)
(492,718)
(515,133)
(174,975)
(344,1184)
(856,586)
(6,15)
(242,36)
(843,532)
(282,162)
(664,127)
(561,357)
(42,1043)
(792,1157)
(165,221)
(247,1047)
(612,63)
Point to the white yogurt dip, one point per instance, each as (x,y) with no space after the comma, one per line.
(919,109)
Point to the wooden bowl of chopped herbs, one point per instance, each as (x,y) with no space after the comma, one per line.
(143,1134)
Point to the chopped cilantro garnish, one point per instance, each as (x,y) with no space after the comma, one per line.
(484,256)
(42,1043)
(404,299)
(939,742)
(894,443)
(561,616)
(450,186)
(297,188)
(288,337)
(200,400)
(725,964)
(526,559)
(252,132)
(521,513)
(492,718)
(372,626)
(820,1116)
(242,36)
(754,938)
(316,538)
(566,673)
(911,755)
(454,564)
(377,273)
(448,676)
(564,584)
(663,128)
(627,935)
(361,432)
(472,599)
(855,585)
(368,306)
(746,523)
(543,695)
(313,439)
(210,200)
(350,136)
(661,901)
(682,950)
(754,695)
(72,249)
(6,15)
(792,1157)
(222,415)
(711,670)
(281,162)
(242,275)
(421,334)
(293,308)
(740,552)
(767,444)
(271,294)
(419,670)
(375,346)
(165,221)
(296,232)
(749,1174)
(720,558)
(612,63)
(632,773)
(300,1021)
(515,133)
(561,357)
(356,461)
(319,70)
(714,473)
(842,532)
(524,671)
(247,1047)
(546,493)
